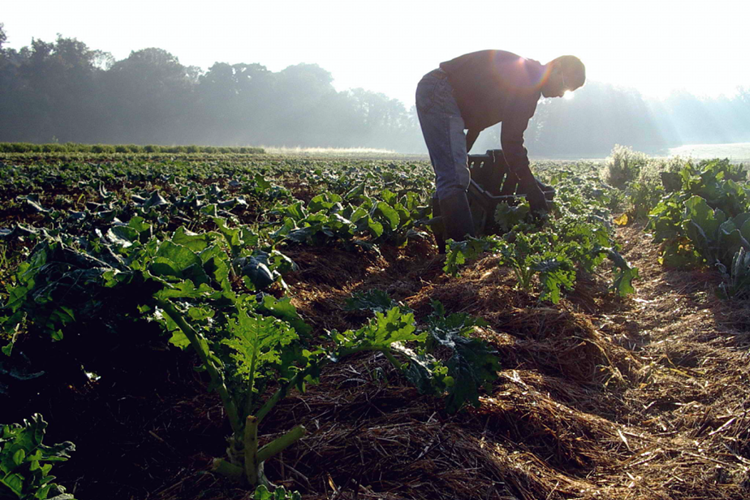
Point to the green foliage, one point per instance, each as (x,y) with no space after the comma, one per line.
(143,246)
(330,218)
(25,462)
(279,493)
(737,284)
(577,237)
(509,216)
(643,196)
(623,166)
(472,364)
(26,147)
(388,327)
(372,300)
(458,252)
(706,221)
(709,213)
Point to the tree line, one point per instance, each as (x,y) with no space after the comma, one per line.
(64,91)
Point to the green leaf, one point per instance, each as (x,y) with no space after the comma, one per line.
(325,202)
(390,214)
(459,251)
(14,482)
(373,300)
(178,339)
(194,241)
(284,310)
(280,493)
(256,271)
(231,234)
(507,216)
(139,224)
(295,211)
(701,225)
(555,272)
(376,228)
(123,235)
(261,182)
(355,192)
(624,274)
(25,462)
(185,289)
(155,200)
(472,365)
(623,281)
(385,329)
(178,256)
(257,342)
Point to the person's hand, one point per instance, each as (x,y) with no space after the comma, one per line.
(537,201)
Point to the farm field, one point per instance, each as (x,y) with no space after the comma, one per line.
(178,317)
(737,152)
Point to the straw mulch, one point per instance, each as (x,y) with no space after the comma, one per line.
(598,398)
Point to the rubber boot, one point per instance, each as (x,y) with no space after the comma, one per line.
(438,229)
(456,216)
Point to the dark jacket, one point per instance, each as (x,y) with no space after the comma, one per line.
(493,86)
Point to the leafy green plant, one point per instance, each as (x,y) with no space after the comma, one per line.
(643,195)
(578,236)
(737,281)
(624,165)
(372,300)
(708,213)
(329,219)
(705,220)
(279,493)
(26,463)
(458,252)
(471,365)
(255,348)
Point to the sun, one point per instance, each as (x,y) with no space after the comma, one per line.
(568,95)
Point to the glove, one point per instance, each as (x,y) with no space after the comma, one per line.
(537,201)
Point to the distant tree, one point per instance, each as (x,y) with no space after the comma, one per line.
(301,92)
(65,91)
(234,102)
(50,91)
(149,97)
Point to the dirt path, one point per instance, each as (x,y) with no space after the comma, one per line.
(689,400)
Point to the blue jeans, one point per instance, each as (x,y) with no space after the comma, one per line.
(443,130)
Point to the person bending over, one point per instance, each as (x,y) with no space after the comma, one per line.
(475,91)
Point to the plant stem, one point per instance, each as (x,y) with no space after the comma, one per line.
(250,399)
(201,347)
(227,469)
(396,363)
(281,443)
(281,393)
(251,450)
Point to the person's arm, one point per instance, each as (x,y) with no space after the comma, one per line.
(471,138)
(511,139)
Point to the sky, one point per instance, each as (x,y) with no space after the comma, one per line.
(655,46)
